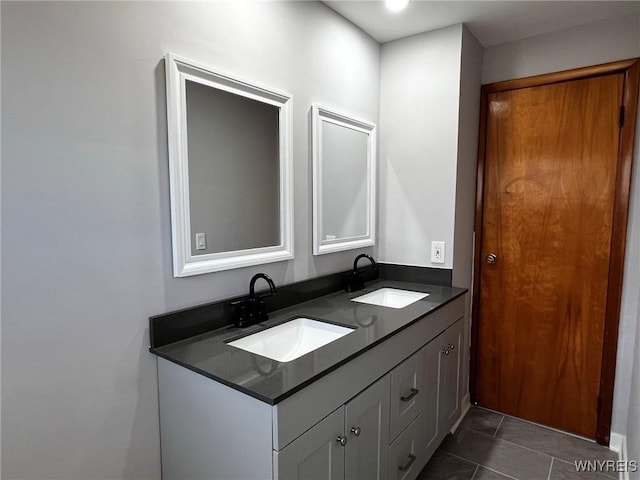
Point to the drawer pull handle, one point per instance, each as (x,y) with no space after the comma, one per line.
(356,431)
(414,392)
(342,441)
(407,466)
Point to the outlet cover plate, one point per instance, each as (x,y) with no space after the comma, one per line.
(437,252)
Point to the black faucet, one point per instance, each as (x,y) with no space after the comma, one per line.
(252,309)
(353,281)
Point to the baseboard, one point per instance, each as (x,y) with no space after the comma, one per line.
(618,444)
(465,405)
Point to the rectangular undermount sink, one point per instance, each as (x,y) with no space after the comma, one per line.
(390,297)
(292,339)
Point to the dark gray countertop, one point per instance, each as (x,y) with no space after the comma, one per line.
(272,381)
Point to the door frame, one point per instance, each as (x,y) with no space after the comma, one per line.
(631,70)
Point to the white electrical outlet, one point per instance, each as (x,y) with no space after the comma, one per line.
(437,252)
(201,241)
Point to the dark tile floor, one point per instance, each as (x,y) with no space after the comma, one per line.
(490,446)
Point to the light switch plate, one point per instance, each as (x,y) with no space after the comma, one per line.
(201,241)
(437,252)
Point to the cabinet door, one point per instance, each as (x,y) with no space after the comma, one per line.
(431,354)
(450,363)
(406,457)
(316,455)
(367,430)
(406,397)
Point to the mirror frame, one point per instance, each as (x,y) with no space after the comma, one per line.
(178,70)
(319,115)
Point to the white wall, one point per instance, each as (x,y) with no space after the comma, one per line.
(86,251)
(633,424)
(600,42)
(626,405)
(419,99)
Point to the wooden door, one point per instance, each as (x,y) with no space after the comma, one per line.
(551,165)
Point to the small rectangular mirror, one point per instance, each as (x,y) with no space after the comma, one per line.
(230,170)
(344,182)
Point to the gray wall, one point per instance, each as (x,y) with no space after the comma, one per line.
(344,181)
(234,170)
(600,42)
(429,111)
(86,249)
(465,187)
(419,99)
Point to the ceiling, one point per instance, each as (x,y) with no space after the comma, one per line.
(491,22)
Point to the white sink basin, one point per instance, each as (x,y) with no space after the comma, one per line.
(290,340)
(390,297)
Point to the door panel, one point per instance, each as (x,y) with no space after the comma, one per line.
(549,183)
(450,362)
(315,455)
(406,397)
(431,355)
(367,427)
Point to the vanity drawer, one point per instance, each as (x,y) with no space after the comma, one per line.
(406,453)
(406,395)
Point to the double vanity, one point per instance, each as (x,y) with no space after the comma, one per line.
(312,382)
(346,385)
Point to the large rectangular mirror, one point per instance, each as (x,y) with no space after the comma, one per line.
(344,181)
(230,170)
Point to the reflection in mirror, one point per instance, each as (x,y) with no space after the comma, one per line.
(233,162)
(344,182)
(230,170)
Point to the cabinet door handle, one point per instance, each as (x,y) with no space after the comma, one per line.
(407,466)
(452,346)
(342,441)
(355,431)
(445,352)
(413,393)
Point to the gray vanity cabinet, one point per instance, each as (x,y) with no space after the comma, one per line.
(338,426)
(316,454)
(449,383)
(350,443)
(442,363)
(406,393)
(367,432)
(431,354)
(406,453)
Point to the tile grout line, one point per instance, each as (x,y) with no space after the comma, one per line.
(475,471)
(497,471)
(506,441)
(478,465)
(550,468)
(495,437)
(540,425)
(499,425)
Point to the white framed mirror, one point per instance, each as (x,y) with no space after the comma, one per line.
(229,170)
(344,181)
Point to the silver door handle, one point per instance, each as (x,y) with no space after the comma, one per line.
(491,258)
